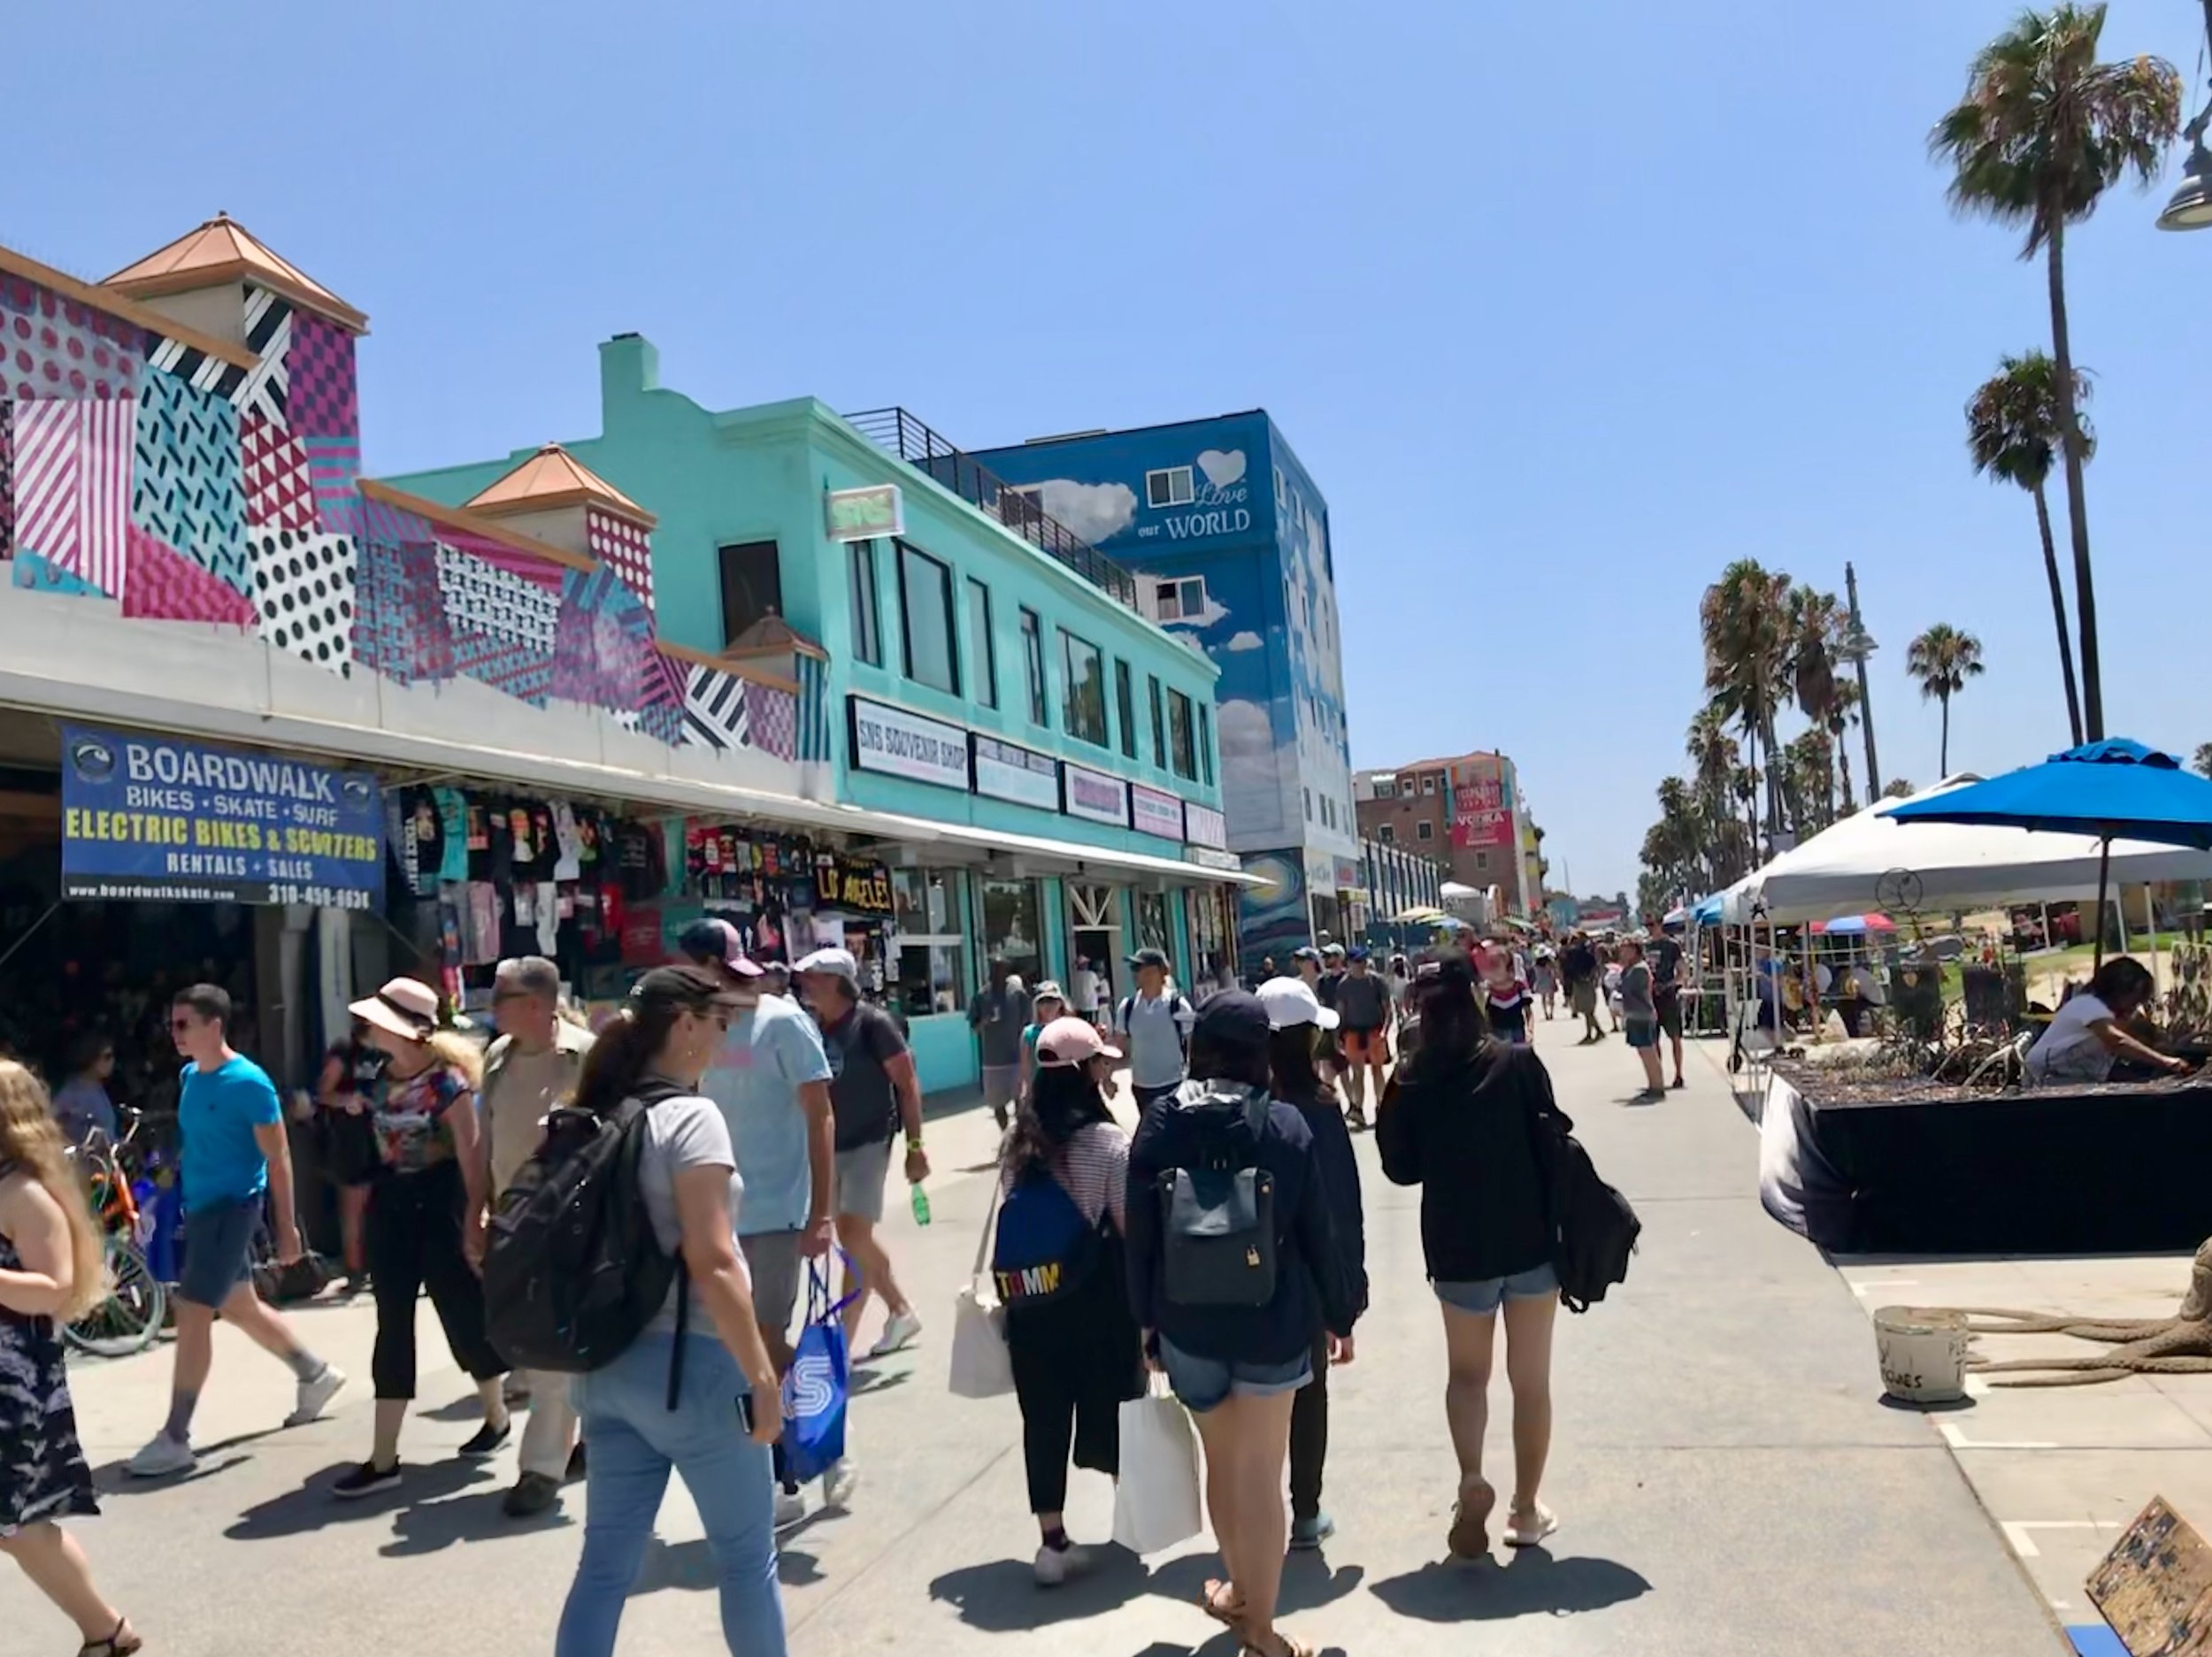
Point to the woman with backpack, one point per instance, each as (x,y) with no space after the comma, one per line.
(709,1408)
(1298,1019)
(1057,1263)
(1232,1263)
(1462,1122)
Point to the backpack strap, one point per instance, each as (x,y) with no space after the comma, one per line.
(1175,1016)
(1121,1014)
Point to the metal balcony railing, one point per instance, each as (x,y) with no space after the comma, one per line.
(914,442)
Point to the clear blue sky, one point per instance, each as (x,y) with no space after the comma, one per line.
(1565,306)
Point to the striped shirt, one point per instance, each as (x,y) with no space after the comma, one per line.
(1093,1169)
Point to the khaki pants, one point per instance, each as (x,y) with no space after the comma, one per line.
(549,1434)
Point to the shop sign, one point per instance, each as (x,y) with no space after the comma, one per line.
(852,883)
(143,817)
(1207,857)
(1152,812)
(902,744)
(1203,825)
(1003,772)
(865,514)
(1093,796)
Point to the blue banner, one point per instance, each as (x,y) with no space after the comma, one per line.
(146,817)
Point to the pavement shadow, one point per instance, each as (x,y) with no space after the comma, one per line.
(431,1527)
(314,1507)
(1532,1584)
(1308,1581)
(113,1478)
(1001,1596)
(866,1381)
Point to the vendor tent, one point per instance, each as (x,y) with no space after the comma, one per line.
(1944,866)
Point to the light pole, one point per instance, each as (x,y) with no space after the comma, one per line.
(2190,207)
(1855,647)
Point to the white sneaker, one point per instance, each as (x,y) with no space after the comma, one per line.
(314,1394)
(1056,1565)
(903,1329)
(838,1482)
(162,1456)
(790,1508)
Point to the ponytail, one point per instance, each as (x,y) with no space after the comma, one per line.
(624,1052)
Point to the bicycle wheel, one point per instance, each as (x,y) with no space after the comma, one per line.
(132,1315)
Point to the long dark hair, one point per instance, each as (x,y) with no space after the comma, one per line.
(1290,1060)
(2124,981)
(1452,1024)
(1063,1100)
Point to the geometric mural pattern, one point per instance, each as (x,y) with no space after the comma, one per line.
(188,487)
(400,630)
(497,603)
(321,396)
(303,585)
(715,715)
(616,542)
(334,467)
(775,719)
(7,478)
(279,493)
(505,665)
(72,481)
(261,388)
(163,585)
(50,346)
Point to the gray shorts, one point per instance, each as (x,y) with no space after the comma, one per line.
(774,1262)
(861,1176)
(218,1250)
(1001,1082)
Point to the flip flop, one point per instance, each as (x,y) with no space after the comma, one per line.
(1229,1615)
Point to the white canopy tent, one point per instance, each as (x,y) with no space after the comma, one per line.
(1955,866)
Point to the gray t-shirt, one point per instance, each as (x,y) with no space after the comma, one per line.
(683,1134)
(1636,992)
(998,1017)
(1362,1002)
(859,1049)
(1158,1032)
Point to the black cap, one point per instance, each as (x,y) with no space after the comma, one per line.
(1149,957)
(1234,1019)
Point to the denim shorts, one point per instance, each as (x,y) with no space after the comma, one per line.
(218,1250)
(1643,1032)
(1203,1382)
(1483,1295)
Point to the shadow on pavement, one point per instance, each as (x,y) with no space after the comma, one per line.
(431,1527)
(314,1507)
(866,1381)
(1533,1584)
(113,1478)
(1001,1596)
(1308,1582)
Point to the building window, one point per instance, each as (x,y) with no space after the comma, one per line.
(1086,687)
(1168,486)
(982,648)
(1125,706)
(860,564)
(1159,726)
(1428,782)
(1010,929)
(925,615)
(1309,794)
(752,587)
(933,975)
(1328,813)
(1182,735)
(1482,860)
(1282,493)
(1034,664)
(1206,743)
(1425,830)
(1389,833)
(1183,600)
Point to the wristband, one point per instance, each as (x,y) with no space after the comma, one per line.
(913,1142)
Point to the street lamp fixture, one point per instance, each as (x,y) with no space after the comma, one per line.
(2191,208)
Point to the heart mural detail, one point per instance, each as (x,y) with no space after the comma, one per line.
(1222,470)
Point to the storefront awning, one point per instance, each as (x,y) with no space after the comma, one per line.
(916,830)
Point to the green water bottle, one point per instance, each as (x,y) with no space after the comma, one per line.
(921,1204)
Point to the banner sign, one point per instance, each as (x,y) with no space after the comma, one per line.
(1152,812)
(901,744)
(1207,857)
(865,514)
(1482,805)
(1003,772)
(146,817)
(1095,796)
(1203,825)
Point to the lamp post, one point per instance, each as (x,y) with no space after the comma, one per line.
(2191,206)
(1855,647)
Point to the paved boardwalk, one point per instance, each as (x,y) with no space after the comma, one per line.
(1729,1481)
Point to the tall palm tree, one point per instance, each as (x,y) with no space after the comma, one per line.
(2012,427)
(1943,659)
(1843,713)
(1713,755)
(2043,132)
(1744,619)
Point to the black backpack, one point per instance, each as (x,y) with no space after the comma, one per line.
(1593,1228)
(573,1270)
(1219,1217)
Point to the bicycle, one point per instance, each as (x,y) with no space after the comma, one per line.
(137,1302)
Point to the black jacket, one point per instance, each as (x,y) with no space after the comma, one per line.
(1173,1133)
(1461,1128)
(1338,1172)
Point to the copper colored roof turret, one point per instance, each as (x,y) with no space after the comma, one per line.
(224,251)
(555,478)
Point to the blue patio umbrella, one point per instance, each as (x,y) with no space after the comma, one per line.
(2113,789)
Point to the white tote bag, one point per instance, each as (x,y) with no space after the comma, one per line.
(981,1366)
(1156,1504)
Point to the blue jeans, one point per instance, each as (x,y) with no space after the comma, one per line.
(635,1439)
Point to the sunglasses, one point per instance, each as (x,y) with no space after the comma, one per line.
(178,1026)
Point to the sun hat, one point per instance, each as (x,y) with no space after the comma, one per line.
(1291,1002)
(1069,1042)
(405,1008)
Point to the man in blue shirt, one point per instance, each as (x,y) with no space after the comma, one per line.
(234,1159)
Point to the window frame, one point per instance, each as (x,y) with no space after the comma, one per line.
(1183,751)
(1068,642)
(1126,705)
(722,558)
(1425,830)
(1188,481)
(1176,590)
(1387,832)
(983,647)
(1206,744)
(944,572)
(867,601)
(1159,725)
(1033,628)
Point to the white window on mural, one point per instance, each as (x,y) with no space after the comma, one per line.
(1282,493)
(1170,485)
(1181,601)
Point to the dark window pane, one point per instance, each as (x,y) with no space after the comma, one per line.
(1033,662)
(1181,734)
(752,587)
(1125,695)
(860,557)
(1206,744)
(983,649)
(1159,728)
(1087,689)
(925,590)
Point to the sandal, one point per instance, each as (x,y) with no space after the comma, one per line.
(1228,1612)
(1469,1535)
(121,1643)
(1285,1646)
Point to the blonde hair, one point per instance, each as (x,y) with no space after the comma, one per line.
(31,1138)
(456,1052)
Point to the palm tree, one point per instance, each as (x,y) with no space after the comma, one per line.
(2012,428)
(2043,131)
(1943,659)
(1898,788)
(2203,763)
(1744,620)
(1843,713)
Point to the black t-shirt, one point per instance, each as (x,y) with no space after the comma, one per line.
(860,1046)
(1580,963)
(1665,956)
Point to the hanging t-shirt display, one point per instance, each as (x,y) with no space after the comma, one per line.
(570,864)
(453,813)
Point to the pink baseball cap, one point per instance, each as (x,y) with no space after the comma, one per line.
(716,939)
(1070,1042)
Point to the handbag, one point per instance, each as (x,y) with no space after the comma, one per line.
(981,1365)
(819,1384)
(1155,1500)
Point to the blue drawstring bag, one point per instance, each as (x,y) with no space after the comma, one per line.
(820,1383)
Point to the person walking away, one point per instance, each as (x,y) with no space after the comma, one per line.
(1579,966)
(81,1103)
(1154,1025)
(1664,955)
(1640,1015)
(874,1093)
(349,1145)
(426,1221)
(1046,1005)
(1460,1123)
(533,1065)
(1362,1033)
(713,1413)
(1545,982)
(234,1162)
(51,1272)
(1504,996)
(770,1079)
(997,1015)
(1297,1020)
(1235,1352)
(1083,987)
(1058,1261)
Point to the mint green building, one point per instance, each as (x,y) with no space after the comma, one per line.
(1036,762)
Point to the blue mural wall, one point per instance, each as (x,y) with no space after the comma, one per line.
(1096,486)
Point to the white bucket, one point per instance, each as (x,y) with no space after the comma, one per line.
(1923,1353)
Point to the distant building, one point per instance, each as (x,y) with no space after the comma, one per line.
(1468,812)
(1393,879)
(1229,539)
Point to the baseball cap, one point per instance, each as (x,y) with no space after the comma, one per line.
(836,963)
(1149,957)
(1356,953)
(1291,1002)
(1069,1042)
(1234,1019)
(712,939)
(1305,952)
(1332,949)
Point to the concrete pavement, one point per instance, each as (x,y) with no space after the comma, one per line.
(1728,1478)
